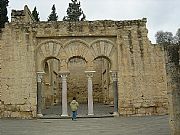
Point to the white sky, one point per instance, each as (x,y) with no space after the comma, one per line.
(161,14)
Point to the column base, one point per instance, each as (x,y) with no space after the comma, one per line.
(116,114)
(91,114)
(39,115)
(64,115)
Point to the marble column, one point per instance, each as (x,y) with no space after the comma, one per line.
(39,93)
(64,93)
(90,92)
(115,89)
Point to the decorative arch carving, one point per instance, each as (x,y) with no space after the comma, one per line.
(76,40)
(49,48)
(102,47)
(76,47)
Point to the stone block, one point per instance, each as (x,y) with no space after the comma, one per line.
(149,111)
(16,115)
(24,108)
(137,105)
(26,115)
(162,110)
(142,111)
(6,114)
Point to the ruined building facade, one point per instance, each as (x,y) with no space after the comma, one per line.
(110,62)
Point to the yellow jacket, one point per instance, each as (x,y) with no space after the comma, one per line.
(74,105)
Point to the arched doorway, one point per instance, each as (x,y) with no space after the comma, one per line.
(102,86)
(77,79)
(81,64)
(51,91)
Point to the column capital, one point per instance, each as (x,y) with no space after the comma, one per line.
(89,73)
(40,76)
(114,74)
(64,73)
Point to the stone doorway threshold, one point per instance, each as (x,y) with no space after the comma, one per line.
(100,111)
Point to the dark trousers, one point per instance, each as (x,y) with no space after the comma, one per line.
(74,113)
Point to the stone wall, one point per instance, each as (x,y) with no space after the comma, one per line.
(23,16)
(0,68)
(27,45)
(18,76)
(142,76)
(173,84)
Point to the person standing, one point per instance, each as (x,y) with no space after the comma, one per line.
(74,107)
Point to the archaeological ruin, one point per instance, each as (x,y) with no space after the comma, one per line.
(109,62)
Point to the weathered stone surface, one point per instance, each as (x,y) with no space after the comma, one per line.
(27,47)
(173,68)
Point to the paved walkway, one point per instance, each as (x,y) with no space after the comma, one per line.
(100,110)
(149,125)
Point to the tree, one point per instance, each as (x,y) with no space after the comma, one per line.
(74,12)
(35,14)
(178,36)
(169,37)
(3,12)
(164,38)
(53,16)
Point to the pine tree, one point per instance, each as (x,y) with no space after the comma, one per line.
(35,14)
(74,12)
(3,12)
(53,16)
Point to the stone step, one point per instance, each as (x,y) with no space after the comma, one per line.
(78,116)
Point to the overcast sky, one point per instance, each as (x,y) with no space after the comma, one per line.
(161,14)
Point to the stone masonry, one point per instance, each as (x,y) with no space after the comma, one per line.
(173,73)
(26,45)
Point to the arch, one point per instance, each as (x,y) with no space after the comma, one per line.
(105,57)
(77,57)
(102,47)
(49,48)
(46,41)
(102,39)
(76,40)
(76,47)
(51,57)
(43,61)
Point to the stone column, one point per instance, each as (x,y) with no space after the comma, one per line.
(39,93)
(90,92)
(64,93)
(115,89)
